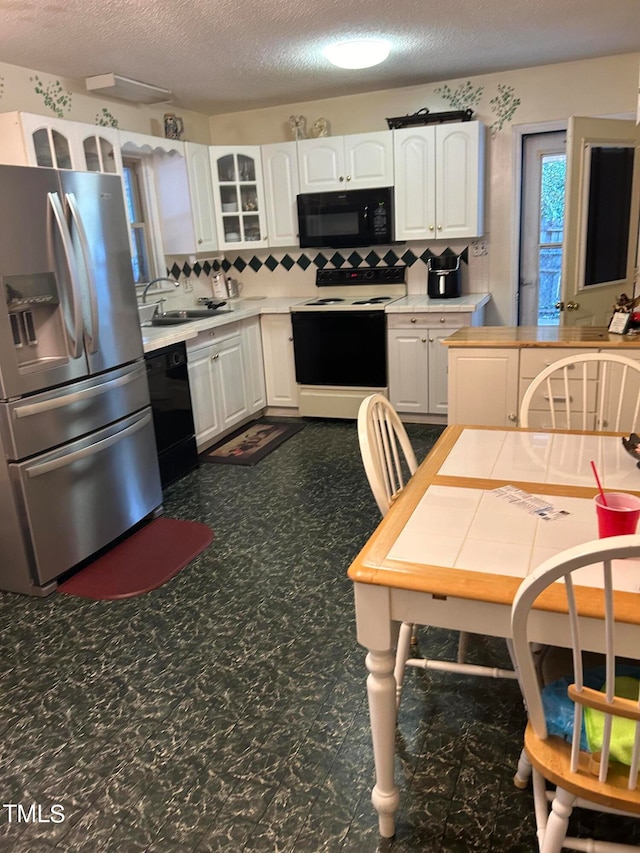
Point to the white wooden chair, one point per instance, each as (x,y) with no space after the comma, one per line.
(389,462)
(590,391)
(582,779)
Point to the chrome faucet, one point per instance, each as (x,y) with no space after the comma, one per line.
(154,281)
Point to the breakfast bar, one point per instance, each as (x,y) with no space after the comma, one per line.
(490,367)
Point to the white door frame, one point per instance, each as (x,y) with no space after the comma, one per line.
(518,131)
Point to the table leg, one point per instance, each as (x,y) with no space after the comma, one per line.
(381,691)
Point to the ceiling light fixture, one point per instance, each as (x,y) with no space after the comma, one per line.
(126,89)
(359,53)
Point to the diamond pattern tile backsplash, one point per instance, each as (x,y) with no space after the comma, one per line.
(294,260)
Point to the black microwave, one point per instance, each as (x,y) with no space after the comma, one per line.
(341,220)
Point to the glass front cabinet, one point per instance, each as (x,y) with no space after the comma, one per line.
(239,197)
(100,148)
(27,139)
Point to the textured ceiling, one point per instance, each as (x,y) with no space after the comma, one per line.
(223,55)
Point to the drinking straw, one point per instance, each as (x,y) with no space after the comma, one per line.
(595,474)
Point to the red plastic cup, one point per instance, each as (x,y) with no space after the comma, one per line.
(620,516)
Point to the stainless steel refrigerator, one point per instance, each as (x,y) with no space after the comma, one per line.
(78,464)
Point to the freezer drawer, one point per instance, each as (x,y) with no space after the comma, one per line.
(79,498)
(34,424)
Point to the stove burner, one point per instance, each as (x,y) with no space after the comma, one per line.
(327,300)
(374,300)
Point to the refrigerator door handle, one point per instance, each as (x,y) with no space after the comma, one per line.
(77,396)
(92,450)
(92,335)
(74,336)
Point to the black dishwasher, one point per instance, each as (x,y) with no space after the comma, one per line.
(172,415)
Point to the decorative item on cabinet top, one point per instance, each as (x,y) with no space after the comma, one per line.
(303,261)
(423,117)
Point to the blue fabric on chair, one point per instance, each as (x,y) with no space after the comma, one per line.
(558,708)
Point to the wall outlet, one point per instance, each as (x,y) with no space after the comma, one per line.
(479,248)
(187,285)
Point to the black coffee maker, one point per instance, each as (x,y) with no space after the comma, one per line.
(443,277)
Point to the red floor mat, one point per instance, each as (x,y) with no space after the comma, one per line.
(144,561)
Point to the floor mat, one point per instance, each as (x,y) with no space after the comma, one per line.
(251,443)
(143,561)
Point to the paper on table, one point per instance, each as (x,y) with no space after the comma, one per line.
(530,503)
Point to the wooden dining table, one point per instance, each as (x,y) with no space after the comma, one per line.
(483,510)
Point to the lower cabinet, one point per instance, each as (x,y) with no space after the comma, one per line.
(418,360)
(218,379)
(279,364)
(254,365)
(483,386)
(487,384)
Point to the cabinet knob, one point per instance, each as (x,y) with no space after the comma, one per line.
(290,338)
(341,178)
(431,228)
(215,357)
(348,177)
(200,241)
(413,319)
(431,340)
(512,417)
(442,320)
(424,340)
(439,227)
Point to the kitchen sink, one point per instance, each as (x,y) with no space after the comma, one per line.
(174,318)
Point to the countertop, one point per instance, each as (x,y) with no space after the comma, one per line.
(423,304)
(155,337)
(540,336)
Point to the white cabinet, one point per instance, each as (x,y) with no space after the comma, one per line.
(27,139)
(418,365)
(483,386)
(32,140)
(254,363)
(239,197)
(439,181)
(185,201)
(357,161)
(100,148)
(281,186)
(217,371)
(438,372)
(279,365)
(409,370)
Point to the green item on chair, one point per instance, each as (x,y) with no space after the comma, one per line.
(622,731)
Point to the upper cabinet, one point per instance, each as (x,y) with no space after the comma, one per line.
(281,186)
(439,181)
(239,196)
(185,201)
(357,161)
(32,140)
(100,148)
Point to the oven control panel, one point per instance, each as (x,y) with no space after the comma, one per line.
(368,275)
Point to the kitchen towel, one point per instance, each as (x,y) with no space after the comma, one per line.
(143,561)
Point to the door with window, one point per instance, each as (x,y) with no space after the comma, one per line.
(602,213)
(542,227)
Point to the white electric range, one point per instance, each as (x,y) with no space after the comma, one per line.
(356,289)
(340,339)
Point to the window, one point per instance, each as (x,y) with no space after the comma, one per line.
(136,212)
(542,232)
